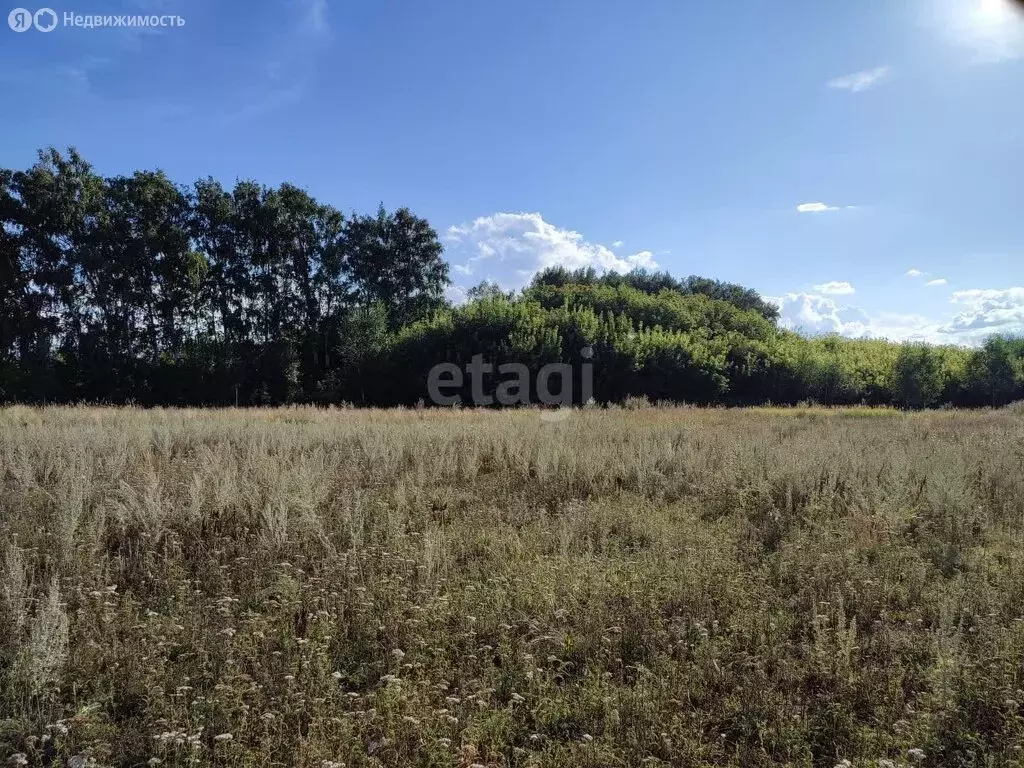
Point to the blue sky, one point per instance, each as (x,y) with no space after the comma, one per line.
(815,151)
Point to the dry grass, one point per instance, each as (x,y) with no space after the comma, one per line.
(428,588)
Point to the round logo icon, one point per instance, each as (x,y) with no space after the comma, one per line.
(20,20)
(45,20)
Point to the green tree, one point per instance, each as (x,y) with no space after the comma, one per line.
(488,290)
(134,288)
(918,378)
(51,217)
(395,260)
(997,370)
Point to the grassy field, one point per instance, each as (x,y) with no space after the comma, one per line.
(641,587)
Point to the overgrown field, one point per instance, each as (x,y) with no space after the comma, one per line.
(455,588)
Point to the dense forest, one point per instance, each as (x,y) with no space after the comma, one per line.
(137,289)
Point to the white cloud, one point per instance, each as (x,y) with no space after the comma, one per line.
(813,315)
(617,244)
(915,273)
(984,312)
(860,81)
(817,208)
(979,297)
(937,281)
(975,315)
(456,294)
(835,288)
(510,248)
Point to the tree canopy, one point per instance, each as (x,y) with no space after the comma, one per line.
(138,289)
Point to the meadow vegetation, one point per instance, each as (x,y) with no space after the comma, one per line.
(624,587)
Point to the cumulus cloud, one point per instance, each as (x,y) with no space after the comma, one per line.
(856,82)
(986,298)
(814,315)
(915,273)
(617,244)
(984,312)
(835,288)
(456,294)
(510,248)
(816,208)
(974,316)
(937,281)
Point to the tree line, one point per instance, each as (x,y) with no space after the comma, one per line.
(137,289)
